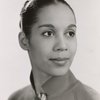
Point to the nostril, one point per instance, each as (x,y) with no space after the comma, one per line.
(61,49)
(61,45)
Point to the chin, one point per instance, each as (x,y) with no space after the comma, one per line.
(59,72)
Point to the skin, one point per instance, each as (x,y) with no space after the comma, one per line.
(52,39)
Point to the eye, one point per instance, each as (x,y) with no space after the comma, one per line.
(70,33)
(48,34)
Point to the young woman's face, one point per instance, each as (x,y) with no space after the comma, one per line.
(53,41)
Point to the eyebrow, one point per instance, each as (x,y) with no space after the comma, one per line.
(46,25)
(72,25)
(51,26)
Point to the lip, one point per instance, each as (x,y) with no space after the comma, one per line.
(59,61)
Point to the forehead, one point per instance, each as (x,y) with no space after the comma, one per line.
(56,14)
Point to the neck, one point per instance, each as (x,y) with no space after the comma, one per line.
(39,79)
(52,85)
(40,76)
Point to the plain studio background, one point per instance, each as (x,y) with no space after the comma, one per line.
(14,62)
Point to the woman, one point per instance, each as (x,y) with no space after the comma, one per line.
(48,33)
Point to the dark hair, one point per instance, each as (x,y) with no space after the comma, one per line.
(30,10)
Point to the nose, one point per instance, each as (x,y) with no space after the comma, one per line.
(61,44)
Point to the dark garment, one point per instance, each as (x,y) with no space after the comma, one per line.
(57,89)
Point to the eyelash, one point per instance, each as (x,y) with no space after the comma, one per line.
(71,33)
(51,33)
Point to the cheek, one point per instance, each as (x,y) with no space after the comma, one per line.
(41,49)
(39,55)
(73,47)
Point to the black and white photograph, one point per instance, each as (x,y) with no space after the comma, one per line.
(50,50)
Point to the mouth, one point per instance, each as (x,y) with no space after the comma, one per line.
(59,61)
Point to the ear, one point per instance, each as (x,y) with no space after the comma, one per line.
(23,41)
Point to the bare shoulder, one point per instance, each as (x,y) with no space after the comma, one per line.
(95,95)
(85,92)
(26,93)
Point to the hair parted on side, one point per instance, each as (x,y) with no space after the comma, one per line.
(30,11)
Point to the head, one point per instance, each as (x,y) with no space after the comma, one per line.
(49,35)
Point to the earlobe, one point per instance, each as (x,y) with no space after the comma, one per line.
(23,41)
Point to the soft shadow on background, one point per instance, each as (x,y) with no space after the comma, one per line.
(14,62)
